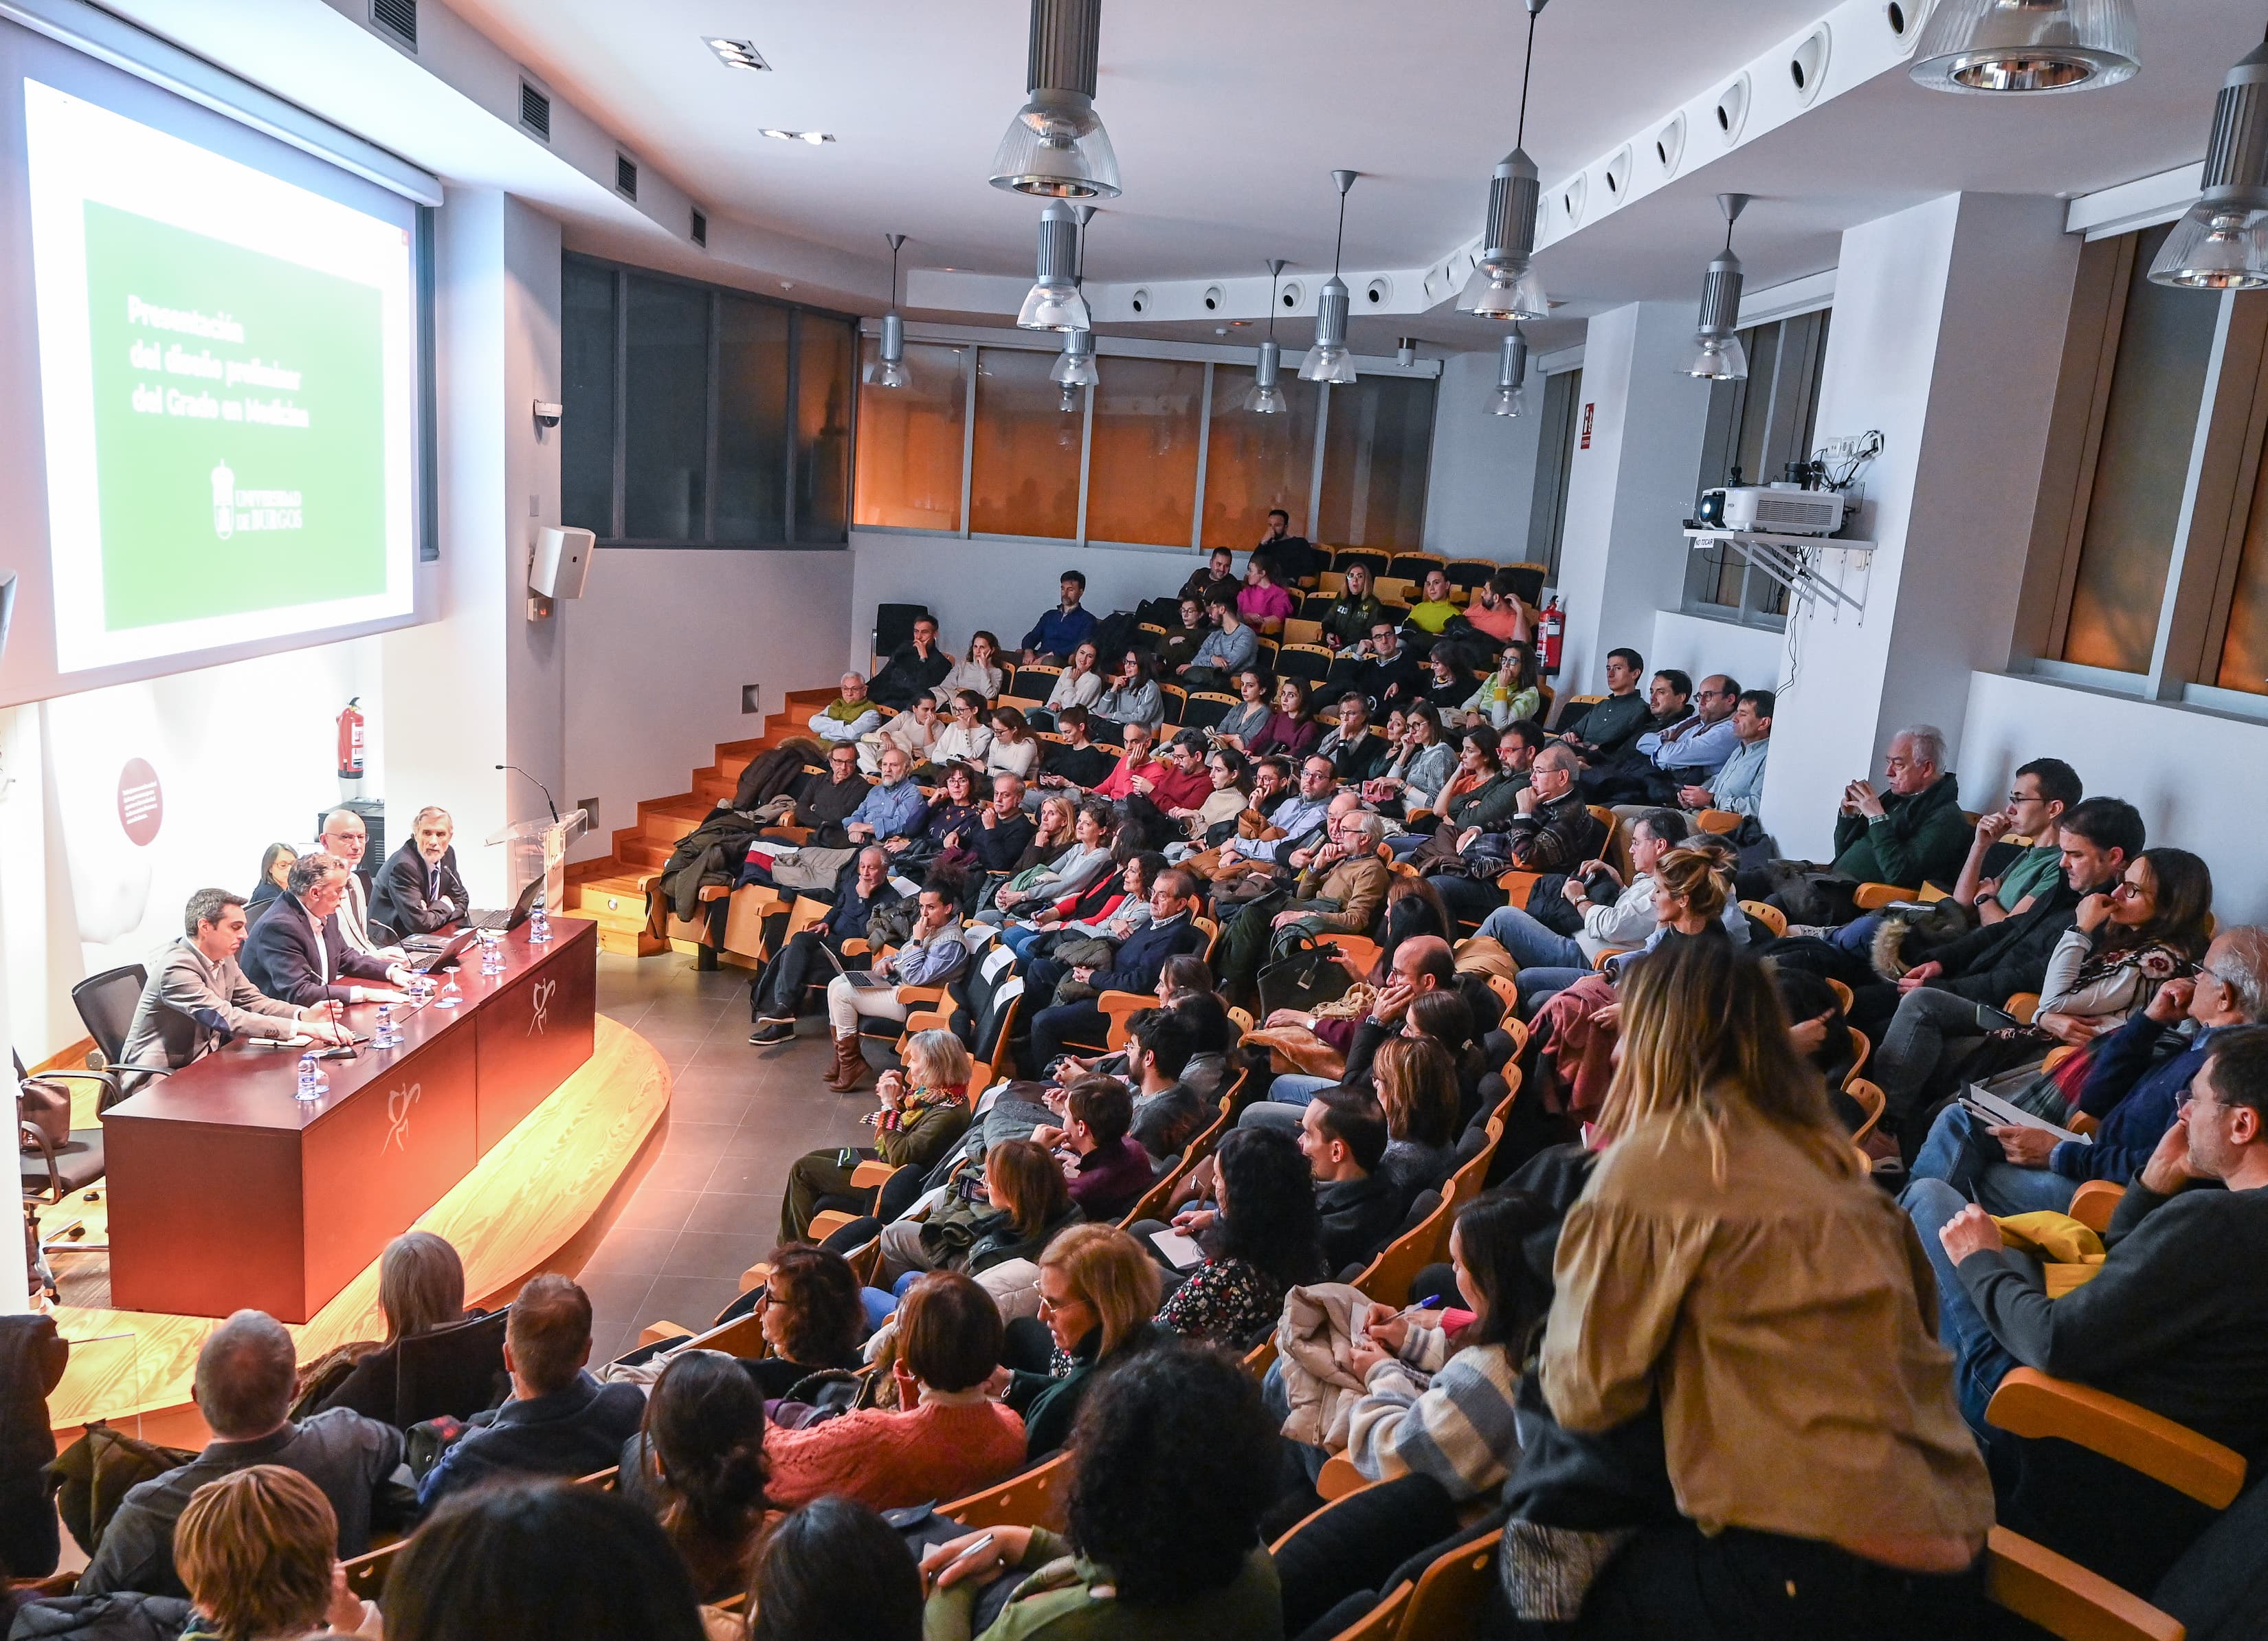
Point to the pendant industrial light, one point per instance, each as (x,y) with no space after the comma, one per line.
(889,370)
(1505,283)
(2026,46)
(1719,355)
(1264,397)
(1511,397)
(1054,302)
(1076,368)
(1328,359)
(1055,145)
(2222,244)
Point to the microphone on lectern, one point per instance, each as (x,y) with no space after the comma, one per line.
(540,786)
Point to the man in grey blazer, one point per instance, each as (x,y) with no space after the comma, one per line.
(198,998)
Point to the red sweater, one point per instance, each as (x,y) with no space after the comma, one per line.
(939,1451)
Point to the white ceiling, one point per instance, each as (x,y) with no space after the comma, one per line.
(1227,121)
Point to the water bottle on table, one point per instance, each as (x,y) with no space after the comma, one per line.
(539,925)
(313,1083)
(384,1036)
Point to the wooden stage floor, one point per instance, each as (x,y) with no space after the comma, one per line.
(535,1194)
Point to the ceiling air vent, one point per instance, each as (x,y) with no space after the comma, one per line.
(397,17)
(701,228)
(535,111)
(625,176)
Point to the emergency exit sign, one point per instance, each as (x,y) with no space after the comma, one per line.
(1588,409)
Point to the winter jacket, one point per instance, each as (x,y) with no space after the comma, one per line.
(1921,838)
(1314,1341)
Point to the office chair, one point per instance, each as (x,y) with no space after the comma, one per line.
(50,1173)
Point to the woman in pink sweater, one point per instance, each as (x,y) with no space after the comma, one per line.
(947,1439)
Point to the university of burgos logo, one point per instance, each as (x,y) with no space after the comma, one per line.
(223,484)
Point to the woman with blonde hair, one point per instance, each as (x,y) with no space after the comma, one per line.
(923,1109)
(1730,1263)
(1098,1290)
(257,1549)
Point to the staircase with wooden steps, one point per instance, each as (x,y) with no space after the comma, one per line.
(611,892)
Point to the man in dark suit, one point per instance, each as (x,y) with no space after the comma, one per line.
(1171,932)
(418,890)
(297,953)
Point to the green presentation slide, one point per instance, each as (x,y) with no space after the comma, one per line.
(239,424)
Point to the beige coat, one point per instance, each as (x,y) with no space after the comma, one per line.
(1315,1345)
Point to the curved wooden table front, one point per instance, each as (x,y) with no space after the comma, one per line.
(524,1201)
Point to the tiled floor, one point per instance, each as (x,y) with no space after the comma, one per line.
(709,1207)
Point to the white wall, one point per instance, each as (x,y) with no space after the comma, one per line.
(1698,646)
(2191,773)
(1621,557)
(482,685)
(657,651)
(1483,470)
(1948,334)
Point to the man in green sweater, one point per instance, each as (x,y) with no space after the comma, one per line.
(1913,832)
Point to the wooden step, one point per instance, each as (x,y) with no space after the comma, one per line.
(627,943)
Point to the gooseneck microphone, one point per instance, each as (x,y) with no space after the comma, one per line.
(540,786)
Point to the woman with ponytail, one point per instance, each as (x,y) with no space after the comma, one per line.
(698,1464)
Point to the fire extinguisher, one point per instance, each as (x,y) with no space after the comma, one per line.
(350,723)
(1552,628)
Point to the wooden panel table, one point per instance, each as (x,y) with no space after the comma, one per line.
(227,1192)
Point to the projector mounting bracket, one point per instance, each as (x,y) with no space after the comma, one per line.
(1800,564)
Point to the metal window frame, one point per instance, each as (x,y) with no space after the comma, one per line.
(1561,410)
(2226,453)
(789,539)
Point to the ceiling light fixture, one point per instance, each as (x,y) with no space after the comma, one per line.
(1076,368)
(1511,395)
(889,370)
(1054,302)
(1719,355)
(1328,359)
(1505,283)
(1264,397)
(1992,45)
(2222,243)
(813,137)
(737,54)
(1055,145)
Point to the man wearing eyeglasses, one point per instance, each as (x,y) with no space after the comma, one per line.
(2176,1317)
(2140,1074)
(1686,753)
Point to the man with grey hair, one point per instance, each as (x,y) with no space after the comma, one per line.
(1910,833)
(197,998)
(346,837)
(776,995)
(245,1375)
(418,890)
(296,953)
(2139,1077)
(1340,890)
(850,716)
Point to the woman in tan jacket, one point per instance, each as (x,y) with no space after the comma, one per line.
(1729,1258)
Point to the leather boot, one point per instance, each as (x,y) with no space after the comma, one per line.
(849,1065)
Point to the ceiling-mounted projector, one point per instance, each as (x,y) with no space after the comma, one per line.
(1771,509)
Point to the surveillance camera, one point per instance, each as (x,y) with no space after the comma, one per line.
(548,414)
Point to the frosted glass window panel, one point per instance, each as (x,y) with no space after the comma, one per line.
(666,412)
(1142,472)
(1377,442)
(752,358)
(1024,468)
(587,360)
(2149,425)
(911,441)
(825,350)
(1255,462)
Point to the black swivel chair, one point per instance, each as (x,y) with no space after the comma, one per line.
(106,1004)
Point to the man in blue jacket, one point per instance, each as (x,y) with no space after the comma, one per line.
(1062,629)
(1171,932)
(2139,1073)
(558,1420)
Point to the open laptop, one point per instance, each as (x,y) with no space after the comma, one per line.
(512,919)
(424,962)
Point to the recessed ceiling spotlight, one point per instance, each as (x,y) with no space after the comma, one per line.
(737,54)
(812,137)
